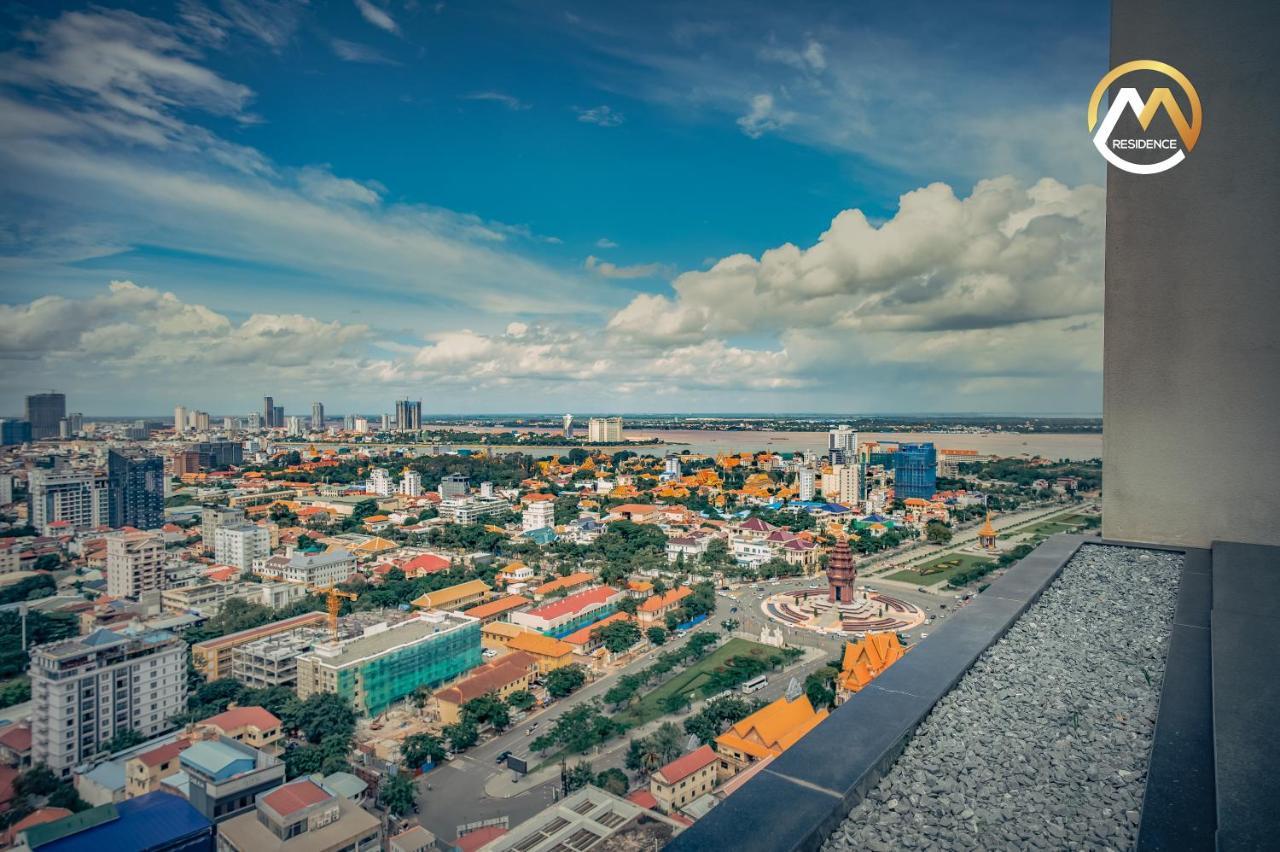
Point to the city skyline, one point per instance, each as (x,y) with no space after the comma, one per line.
(552,208)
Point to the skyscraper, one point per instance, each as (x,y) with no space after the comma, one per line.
(568,425)
(14,432)
(915,471)
(317,416)
(44,412)
(179,419)
(408,415)
(268,412)
(604,430)
(277,416)
(136,491)
(842,444)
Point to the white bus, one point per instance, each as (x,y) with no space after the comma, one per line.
(759,682)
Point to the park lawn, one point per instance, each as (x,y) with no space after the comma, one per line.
(965,562)
(648,707)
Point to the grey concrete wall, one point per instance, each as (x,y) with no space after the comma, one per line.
(1192,342)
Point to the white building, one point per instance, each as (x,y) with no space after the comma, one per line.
(179,419)
(135,564)
(360,426)
(322,569)
(294,424)
(604,430)
(78,497)
(411,484)
(538,514)
(380,483)
(842,444)
(240,544)
(670,468)
(848,483)
(468,510)
(85,691)
(750,551)
(806,483)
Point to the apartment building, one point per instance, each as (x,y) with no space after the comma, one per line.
(240,544)
(273,661)
(87,690)
(135,564)
(468,510)
(326,568)
(302,816)
(389,661)
(604,430)
(79,497)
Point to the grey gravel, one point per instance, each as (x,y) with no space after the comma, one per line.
(1044,743)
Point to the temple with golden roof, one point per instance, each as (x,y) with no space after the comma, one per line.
(987,535)
(769,731)
(865,660)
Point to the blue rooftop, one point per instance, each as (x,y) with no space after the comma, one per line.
(155,821)
(218,760)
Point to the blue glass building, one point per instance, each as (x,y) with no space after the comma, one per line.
(915,471)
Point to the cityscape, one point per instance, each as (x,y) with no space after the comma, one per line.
(552,426)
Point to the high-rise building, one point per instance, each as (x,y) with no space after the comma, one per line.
(360,426)
(915,471)
(293,424)
(14,432)
(214,517)
(411,484)
(537,515)
(75,423)
(44,412)
(268,412)
(88,690)
(79,497)
(842,444)
(179,419)
(137,490)
(604,430)
(408,415)
(199,421)
(240,544)
(568,425)
(849,483)
(253,422)
(348,423)
(806,483)
(380,483)
(671,467)
(135,564)
(317,416)
(277,417)
(386,422)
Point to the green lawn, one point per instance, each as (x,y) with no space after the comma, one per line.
(648,707)
(964,562)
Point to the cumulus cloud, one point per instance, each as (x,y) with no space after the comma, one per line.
(763,116)
(605,269)
(606,243)
(604,116)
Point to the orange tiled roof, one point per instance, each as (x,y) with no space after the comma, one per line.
(539,645)
(496,607)
(657,603)
(568,582)
(773,728)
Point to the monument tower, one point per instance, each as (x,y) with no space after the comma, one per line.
(842,577)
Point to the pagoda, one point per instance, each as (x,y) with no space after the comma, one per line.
(987,535)
(841,575)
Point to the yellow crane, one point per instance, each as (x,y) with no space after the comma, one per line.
(333,598)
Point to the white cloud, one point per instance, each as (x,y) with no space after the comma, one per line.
(763,116)
(604,116)
(511,102)
(605,269)
(350,51)
(377,16)
(606,243)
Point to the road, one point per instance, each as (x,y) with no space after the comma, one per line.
(458,795)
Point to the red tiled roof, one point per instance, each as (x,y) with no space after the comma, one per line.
(238,717)
(16,738)
(473,840)
(496,607)
(164,753)
(428,563)
(489,677)
(294,797)
(643,798)
(574,603)
(683,767)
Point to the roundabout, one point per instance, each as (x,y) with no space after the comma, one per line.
(842,608)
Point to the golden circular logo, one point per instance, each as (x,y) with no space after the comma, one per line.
(1111,144)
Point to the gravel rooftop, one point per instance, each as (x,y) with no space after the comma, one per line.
(1044,742)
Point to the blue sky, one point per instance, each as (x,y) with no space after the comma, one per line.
(529,206)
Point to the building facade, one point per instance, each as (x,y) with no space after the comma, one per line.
(85,691)
(604,430)
(79,497)
(44,412)
(136,484)
(238,545)
(915,471)
(135,564)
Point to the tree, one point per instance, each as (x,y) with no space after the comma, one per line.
(521,699)
(577,776)
(672,620)
(613,780)
(488,708)
(564,680)
(418,749)
(629,605)
(936,532)
(127,738)
(820,688)
(37,781)
(669,742)
(618,636)
(397,796)
(326,714)
(461,735)
(656,635)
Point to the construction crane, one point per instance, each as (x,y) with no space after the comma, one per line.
(333,598)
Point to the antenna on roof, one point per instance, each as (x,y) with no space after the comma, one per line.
(793,689)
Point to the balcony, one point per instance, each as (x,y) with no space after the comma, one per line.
(1115,692)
